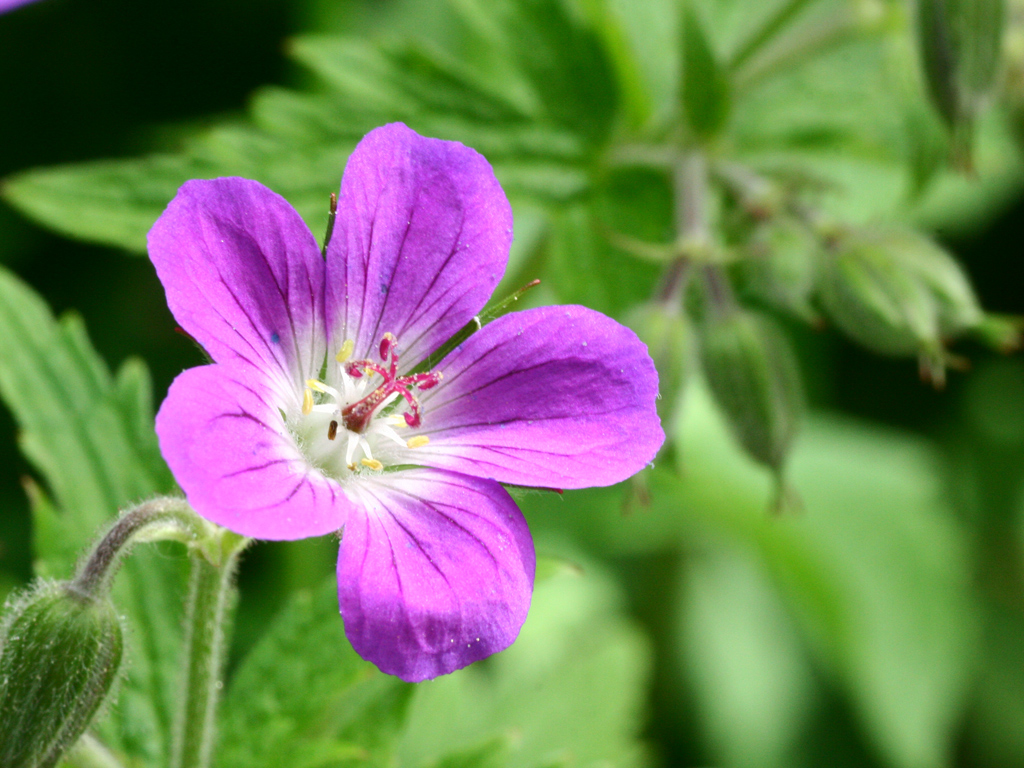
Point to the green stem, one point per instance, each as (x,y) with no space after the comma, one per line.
(90,753)
(331,216)
(489,313)
(174,519)
(690,185)
(210,599)
(763,34)
(800,46)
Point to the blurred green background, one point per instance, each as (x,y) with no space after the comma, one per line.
(881,626)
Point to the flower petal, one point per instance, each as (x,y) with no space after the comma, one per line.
(243,275)
(436,574)
(239,467)
(421,240)
(560,397)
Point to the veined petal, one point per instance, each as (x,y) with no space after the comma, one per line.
(436,574)
(559,397)
(229,450)
(421,240)
(243,275)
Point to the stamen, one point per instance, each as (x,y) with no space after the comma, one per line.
(319,386)
(417,442)
(372,464)
(332,430)
(346,351)
(357,416)
(350,450)
(386,345)
(307,402)
(390,434)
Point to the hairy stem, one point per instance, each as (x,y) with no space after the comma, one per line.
(173,516)
(210,600)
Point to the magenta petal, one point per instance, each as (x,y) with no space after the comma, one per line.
(243,275)
(560,397)
(239,467)
(10,5)
(436,574)
(421,241)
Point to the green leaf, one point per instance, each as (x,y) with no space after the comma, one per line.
(641,41)
(743,657)
(564,62)
(91,438)
(111,202)
(878,514)
(297,144)
(706,87)
(582,268)
(569,691)
(303,698)
(873,570)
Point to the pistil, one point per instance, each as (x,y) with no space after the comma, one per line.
(356,416)
(351,417)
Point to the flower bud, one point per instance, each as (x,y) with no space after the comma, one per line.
(666,331)
(754,378)
(897,293)
(960,44)
(781,267)
(60,655)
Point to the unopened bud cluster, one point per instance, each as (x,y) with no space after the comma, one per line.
(889,288)
(897,293)
(667,332)
(754,377)
(60,655)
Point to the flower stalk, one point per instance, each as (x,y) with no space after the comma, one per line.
(211,596)
(160,518)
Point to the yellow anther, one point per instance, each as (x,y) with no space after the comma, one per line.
(317,385)
(417,442)
(346,351)
(396,421)
(307,402)
(372,464)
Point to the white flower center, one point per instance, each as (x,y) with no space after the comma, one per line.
(351,428)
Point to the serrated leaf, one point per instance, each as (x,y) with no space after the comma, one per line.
(112,202)
(297,144)
(569,691)
(564,62)
(86,433)
(303,698)
(403,78)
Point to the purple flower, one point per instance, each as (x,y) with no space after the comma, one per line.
(10,5)
(311,420)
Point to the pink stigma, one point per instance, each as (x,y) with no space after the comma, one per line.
(356,417)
